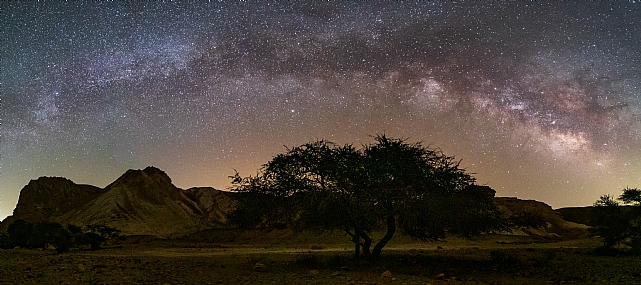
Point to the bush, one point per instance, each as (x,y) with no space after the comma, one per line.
(19,233)
(27,235)
(307,260)
(94,235)
(607,251)
(616,224)
(503,257)
(548,255)
(5,242)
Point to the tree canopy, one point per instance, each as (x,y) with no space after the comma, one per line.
(616,224)
(391,185)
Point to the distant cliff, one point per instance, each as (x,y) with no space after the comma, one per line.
(48,197)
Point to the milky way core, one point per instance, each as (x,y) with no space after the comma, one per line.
(539,100)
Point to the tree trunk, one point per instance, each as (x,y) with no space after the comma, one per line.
(391,229)
(367,243)
(357,246)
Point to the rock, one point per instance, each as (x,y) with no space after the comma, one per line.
(439,247)
(440,276)
(387,274)
(336,273)
(313,272)
(259,267)
(81,267)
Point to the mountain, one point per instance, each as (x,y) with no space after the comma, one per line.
(146,202)
(48,197)
(556,225)
(213,203)
(140,202)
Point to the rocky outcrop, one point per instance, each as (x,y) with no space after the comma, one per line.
(555,224)
(140,202)
(213,203)
(48,197)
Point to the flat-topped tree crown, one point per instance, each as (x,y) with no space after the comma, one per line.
(391,185)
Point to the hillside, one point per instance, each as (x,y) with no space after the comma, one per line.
(140,202)
(556,225)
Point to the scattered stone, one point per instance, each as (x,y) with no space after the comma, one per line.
(387,274)
(313,272)
(259,267)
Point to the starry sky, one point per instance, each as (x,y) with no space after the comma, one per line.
(540,100)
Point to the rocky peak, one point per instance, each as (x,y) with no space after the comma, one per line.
(48,197)
(149,175)
(156,174)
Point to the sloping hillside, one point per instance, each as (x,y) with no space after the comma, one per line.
(140,202)
(555,224)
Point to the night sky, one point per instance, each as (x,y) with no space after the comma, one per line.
(540,100)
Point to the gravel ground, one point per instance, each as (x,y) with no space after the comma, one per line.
(442,263)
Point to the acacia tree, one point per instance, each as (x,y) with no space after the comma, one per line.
(390,185)
(614,223)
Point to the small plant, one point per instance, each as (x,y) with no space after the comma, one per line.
(5,243)
(336,261)
(547,256)
(503,257)
(607,251)
(307,260)
(262,258)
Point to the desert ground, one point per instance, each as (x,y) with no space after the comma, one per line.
(285,259)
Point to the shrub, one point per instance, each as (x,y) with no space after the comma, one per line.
(19,233)
(503,257)
(307,260)
(5,242)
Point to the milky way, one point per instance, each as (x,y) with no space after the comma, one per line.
(540,101)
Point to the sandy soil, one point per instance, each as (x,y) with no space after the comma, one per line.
(497,260)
